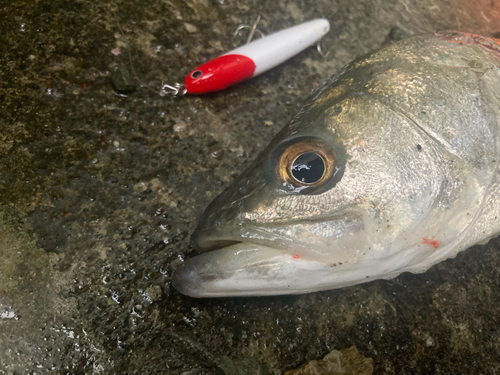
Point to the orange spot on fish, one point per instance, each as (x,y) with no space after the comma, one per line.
(491,44)
(295,256)
(434,243)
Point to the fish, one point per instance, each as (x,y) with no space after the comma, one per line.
(391,166)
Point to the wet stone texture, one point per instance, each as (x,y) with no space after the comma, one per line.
(102,181)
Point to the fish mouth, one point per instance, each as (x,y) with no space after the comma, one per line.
(205,245)
(208,239)
(246,269)
(253,260)
(235,263)
(214,238)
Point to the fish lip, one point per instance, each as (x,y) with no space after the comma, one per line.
(214,238)
(203,239)
(215,244)
(208,238)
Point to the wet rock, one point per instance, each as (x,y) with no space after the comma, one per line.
(6,310)
(190,27)
(216,151)
(397,33)
(192,372)
(246,366)
(5,144)
(121,80)
(59,114)
(180,126)
(344,362)
(154,293)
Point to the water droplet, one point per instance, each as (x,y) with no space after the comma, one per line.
(180,126)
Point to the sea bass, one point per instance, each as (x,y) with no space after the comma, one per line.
(392,166)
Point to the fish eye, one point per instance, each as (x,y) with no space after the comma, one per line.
(305,163)
(196,74)
(308,168)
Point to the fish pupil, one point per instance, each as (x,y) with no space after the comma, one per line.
(308,168)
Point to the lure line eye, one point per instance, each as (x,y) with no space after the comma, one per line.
(308,168)
(196,74)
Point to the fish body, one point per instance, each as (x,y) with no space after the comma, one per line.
(392,166)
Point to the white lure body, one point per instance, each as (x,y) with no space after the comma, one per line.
(276,48)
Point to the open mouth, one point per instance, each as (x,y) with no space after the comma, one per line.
(205,245)
(214,238)
(230,268)
(247,269)
(255,260)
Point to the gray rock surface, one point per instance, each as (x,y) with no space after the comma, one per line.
(100,190)
(338,362)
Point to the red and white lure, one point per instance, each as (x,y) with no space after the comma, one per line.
(251,59)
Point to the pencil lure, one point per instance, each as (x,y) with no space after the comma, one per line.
(254,58)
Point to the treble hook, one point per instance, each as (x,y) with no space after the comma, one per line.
(320,50)
(253,30)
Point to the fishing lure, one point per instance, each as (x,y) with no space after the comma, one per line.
(251,59)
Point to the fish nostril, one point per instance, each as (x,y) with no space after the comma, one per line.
(244,187)
(229,214)
(223,217)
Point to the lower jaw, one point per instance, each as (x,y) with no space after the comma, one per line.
(253,270)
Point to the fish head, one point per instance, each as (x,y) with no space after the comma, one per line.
(348,192)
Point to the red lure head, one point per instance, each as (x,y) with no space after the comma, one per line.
(219,73)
